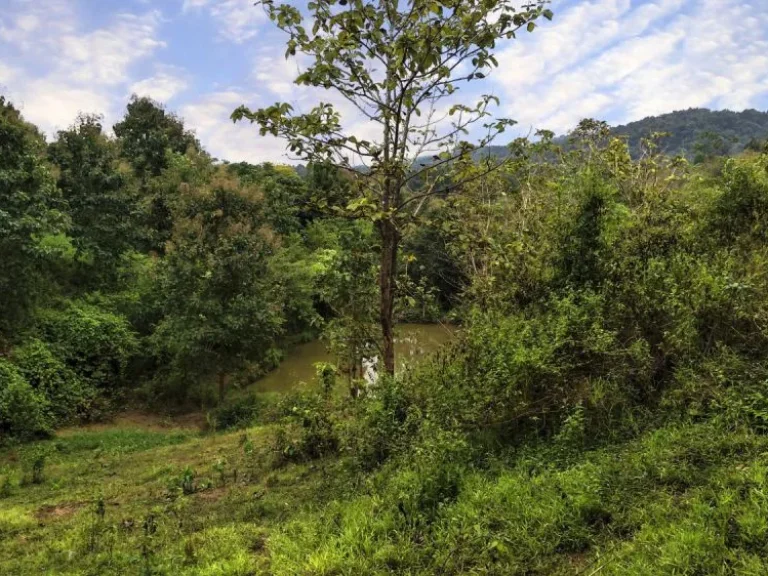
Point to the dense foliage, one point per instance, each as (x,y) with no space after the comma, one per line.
(601,409)
(28,212)
(698,131)
(136,268)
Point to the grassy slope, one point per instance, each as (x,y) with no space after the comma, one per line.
(149,525)
(686,499)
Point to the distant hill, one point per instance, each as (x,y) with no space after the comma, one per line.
(736,129)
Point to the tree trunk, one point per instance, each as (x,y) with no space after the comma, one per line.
(389,244)
(222,386)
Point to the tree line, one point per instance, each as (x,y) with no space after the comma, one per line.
(135,266)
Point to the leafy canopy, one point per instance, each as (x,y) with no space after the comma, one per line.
(394,61)
(29,209)
(99,195)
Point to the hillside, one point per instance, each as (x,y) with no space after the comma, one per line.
(686,127)
(141,498)
(731,131)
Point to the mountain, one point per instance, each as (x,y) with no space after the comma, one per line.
(689,127)
(719,132)
(726,131)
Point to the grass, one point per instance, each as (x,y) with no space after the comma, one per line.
(112,502)
(687,499)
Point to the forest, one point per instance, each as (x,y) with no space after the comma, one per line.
(599,405)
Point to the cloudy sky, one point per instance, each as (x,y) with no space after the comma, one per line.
(618,60)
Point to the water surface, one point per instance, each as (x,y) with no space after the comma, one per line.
(412,342)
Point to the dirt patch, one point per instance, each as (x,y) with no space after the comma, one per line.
(212,495)
(142,420)
(58,511)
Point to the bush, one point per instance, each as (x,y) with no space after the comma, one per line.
(386,423)
(236,413)
(431,477)
(95,343)
(69,397)
(24,412)
(310,430)
(521,373)
(742,207)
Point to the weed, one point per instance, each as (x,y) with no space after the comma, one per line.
(98,525)
(221,469)
(188,481)
(6,487)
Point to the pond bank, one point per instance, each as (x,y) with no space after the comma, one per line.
(412,342)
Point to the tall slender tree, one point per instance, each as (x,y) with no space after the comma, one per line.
(29,209)
(400,63)
(100,197)
(149,136)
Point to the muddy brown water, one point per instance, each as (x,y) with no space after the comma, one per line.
(412,343)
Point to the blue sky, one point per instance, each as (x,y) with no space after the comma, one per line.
(618,60)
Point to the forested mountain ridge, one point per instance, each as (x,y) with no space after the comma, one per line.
(692,132)
(688,129)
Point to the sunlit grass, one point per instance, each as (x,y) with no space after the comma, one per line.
(685,499)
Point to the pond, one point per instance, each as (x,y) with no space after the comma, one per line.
(412,342)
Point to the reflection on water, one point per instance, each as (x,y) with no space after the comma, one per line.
(413,341)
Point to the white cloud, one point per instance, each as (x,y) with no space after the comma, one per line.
(238,20)
(277,74)
(105,56)
(29,26)
(76,71)
(7,74)
(162,87)
(210,118)
(53,105)
(192,4)
(625,60)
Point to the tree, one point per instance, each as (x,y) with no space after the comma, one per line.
(149,136)
(98,194)
(711,145)
(28,211)
(147,132)
(221,310)
(284,193)
(400,64)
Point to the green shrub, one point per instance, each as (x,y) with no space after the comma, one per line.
(431,476)
(386,423)
(95,343)
(742,207)
(310,428)
(7,487)
(69,397)
(727,386)
(521,373)
(236,413)
(187,483)
(24,412)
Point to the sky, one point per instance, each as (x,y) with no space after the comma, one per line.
(615,60)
